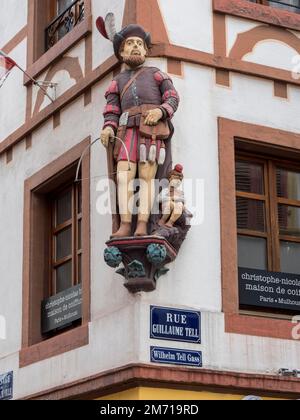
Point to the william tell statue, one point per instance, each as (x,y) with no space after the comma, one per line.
(141,101)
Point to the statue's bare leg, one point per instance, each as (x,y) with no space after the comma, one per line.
(167,211)
(147,172)
(176,214)
(125,194)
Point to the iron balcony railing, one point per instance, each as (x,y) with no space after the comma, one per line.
(64,23)
(290,5)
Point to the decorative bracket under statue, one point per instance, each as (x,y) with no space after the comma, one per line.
(144,260)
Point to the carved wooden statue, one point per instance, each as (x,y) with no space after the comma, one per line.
(141,101)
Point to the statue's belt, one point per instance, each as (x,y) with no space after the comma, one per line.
(161,131)
(134,112)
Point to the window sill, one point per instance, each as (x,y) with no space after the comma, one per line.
(258,326)
(258,12)
(63,343)
(59,49)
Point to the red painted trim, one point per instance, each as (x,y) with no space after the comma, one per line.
(135,375)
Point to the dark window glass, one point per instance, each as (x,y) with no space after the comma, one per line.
(68,22)
(66,238)
(64,277)
(79,234)
(290,257)
(62,5)
(64,244)
(249,177)
(290,5)
(64,207)
(79,198)
(252,252)
(289,220)
(288,184)
(250,214)
(79,269)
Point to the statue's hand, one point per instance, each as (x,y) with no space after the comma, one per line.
(106,136)
(153,116)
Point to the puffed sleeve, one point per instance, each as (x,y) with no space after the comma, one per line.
(112,110)
(170,97)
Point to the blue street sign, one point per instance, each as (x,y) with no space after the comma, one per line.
(176,356)
(6,386)
(175,324)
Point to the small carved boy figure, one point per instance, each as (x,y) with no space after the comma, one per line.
(172,198)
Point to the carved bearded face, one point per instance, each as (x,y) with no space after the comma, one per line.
(133,52)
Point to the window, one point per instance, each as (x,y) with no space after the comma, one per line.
(54,26)
(66,239)
(254,161)
(290,5)
(268,214)
(66,15)
(56,258)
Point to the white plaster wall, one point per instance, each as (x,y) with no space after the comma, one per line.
(13,95)
(103,48)
(189,23)
(61,78)
(226,352)
(269,52)
(235,26)
(12,19)
(274,54)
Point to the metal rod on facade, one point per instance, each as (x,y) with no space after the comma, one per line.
(35,82)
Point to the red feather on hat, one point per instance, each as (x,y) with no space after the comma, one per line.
(107,26)
(101,27)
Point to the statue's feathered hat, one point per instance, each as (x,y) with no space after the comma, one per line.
(107,28)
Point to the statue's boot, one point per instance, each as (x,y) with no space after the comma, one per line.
(141,229)
(123,232)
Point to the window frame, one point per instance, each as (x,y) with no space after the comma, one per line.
(73,222)
(36,261)
(55,14)
(272,201)
(258,139)
(38,62)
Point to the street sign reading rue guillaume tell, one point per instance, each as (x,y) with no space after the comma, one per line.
(175,324)
(269,289)
(62,309)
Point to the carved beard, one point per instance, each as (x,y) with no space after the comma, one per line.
(134,60)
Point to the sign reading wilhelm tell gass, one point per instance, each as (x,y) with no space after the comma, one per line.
(175,325)
(62,309)
(176,356)
(269,289)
